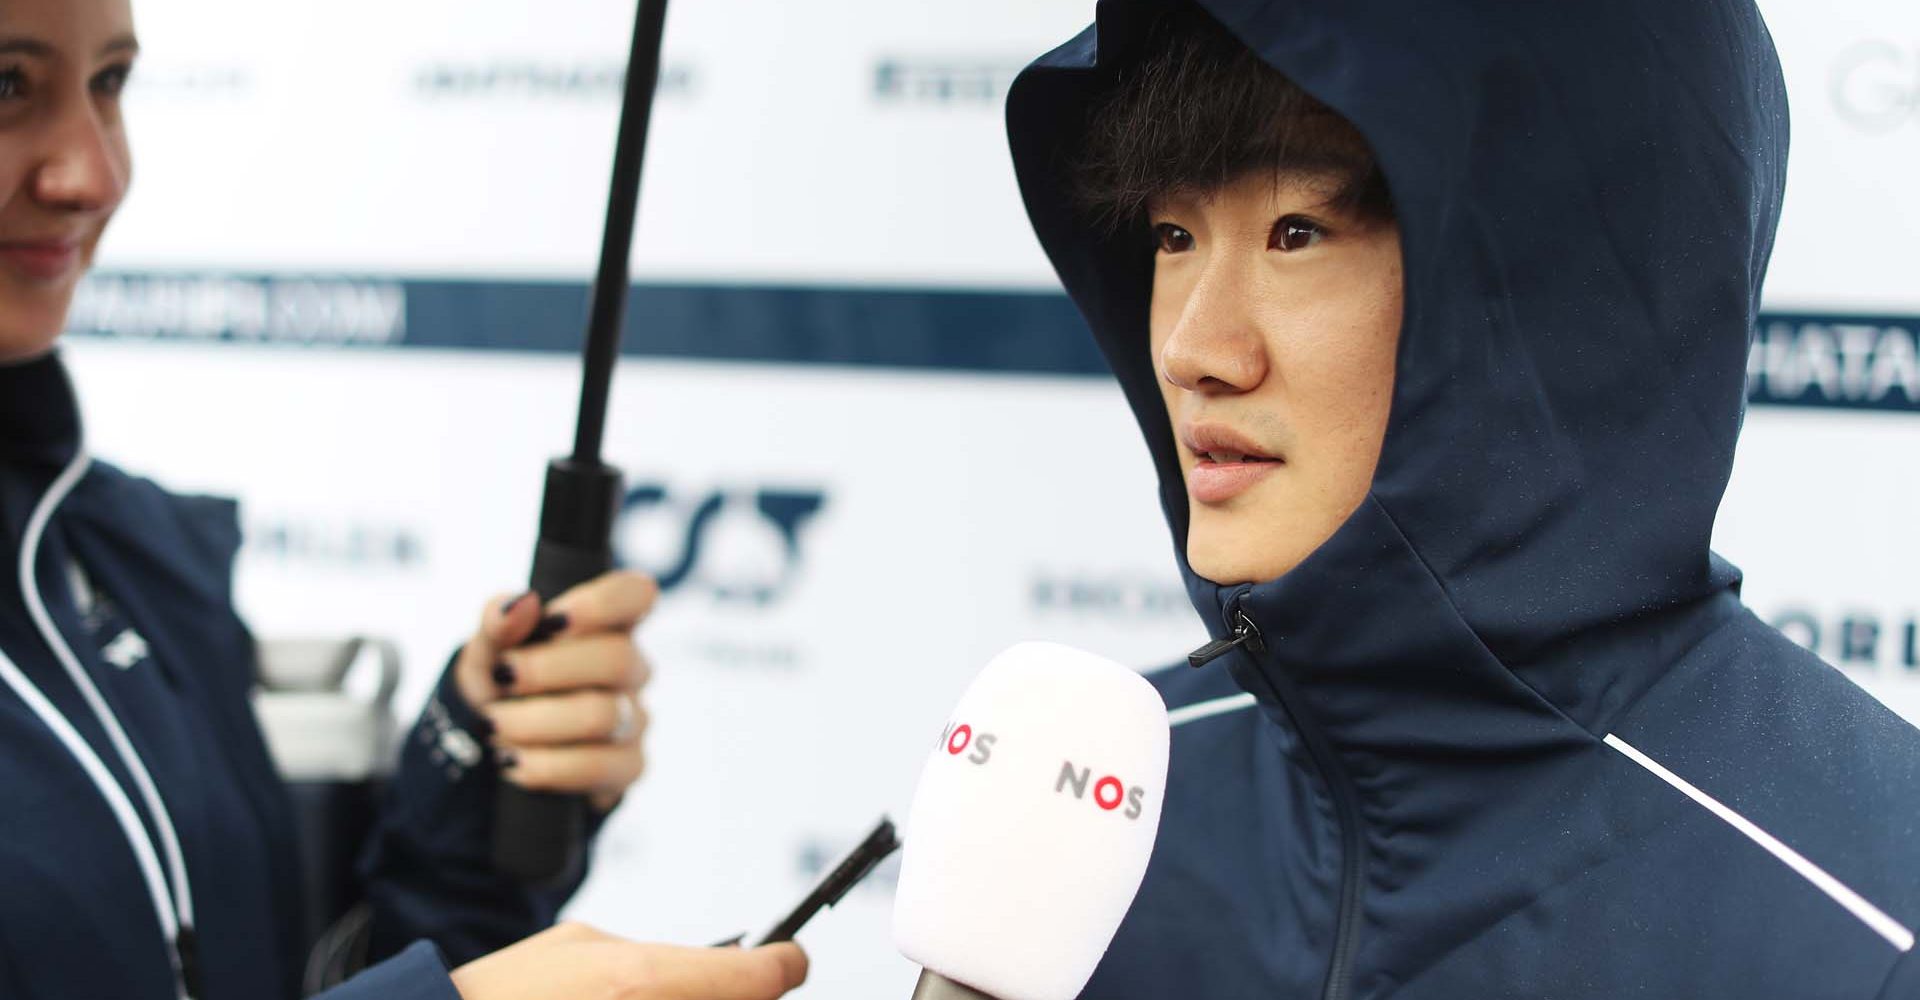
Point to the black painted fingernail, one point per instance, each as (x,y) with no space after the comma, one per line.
(507,607)
(507,759)
(503,675)
(548,627)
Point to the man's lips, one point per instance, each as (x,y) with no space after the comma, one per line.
(1226,462)
(41,258)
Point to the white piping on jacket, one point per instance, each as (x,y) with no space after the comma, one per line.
(1875,918)
(1207,709)
(175,909)
(1897,935)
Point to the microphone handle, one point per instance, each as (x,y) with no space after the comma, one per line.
(540,837)
(934,986)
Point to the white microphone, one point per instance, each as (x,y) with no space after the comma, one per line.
(1032,826)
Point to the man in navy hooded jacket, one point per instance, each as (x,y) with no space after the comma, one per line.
(1435,318)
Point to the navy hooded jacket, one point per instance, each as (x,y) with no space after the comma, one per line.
(1510,732)
(77,921)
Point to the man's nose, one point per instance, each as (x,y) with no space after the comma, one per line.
(1216,346)
(83,166)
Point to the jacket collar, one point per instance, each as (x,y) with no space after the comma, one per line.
(39,413)
(1361,643)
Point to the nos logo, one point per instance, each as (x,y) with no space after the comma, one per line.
(957,740)
(1108,792)
(737,545)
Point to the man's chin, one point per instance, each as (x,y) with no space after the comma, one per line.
(1227,567)
(17,347)
(1231,550)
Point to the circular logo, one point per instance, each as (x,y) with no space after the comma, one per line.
(1100,793)
(962,735)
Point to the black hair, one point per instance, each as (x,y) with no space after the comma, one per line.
(1199,110)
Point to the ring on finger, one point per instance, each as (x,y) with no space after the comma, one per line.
(626,719)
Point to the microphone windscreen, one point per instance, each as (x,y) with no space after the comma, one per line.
(1032,826)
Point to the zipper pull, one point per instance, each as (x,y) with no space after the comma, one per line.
(1244,634)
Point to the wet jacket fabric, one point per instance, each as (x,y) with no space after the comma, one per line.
(155,629)
(1510,731)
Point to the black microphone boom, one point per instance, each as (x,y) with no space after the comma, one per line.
(539,837)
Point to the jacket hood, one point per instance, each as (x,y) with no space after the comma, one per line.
(1587,195)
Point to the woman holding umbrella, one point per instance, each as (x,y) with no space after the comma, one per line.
(146,845)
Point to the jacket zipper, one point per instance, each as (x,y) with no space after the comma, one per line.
(1244,634)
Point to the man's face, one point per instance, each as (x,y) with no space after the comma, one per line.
(1274,324)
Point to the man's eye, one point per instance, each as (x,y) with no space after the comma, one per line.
(1294,233)
(111,81)
(1169,238)
(12,83)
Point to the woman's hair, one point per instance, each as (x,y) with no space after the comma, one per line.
(1200,110)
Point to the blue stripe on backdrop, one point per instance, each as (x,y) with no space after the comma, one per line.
(960,330)
(1798,359)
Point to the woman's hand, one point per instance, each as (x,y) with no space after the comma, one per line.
(561,686)
(576,962)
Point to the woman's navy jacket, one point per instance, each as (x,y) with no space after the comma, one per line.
(1510,732)
(76,921)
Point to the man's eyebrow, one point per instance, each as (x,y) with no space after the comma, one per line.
(23,46)
(17,46)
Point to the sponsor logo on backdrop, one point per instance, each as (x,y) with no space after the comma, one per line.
(321,542)
(738,546)
(742,550)
(1860,363)
(1118,597)
(1858,639)
(1875,85)
(945,81)
(534,79)
(281,310)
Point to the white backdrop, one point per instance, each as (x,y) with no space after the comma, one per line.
(357,247)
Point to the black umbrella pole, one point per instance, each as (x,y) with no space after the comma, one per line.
(540,837)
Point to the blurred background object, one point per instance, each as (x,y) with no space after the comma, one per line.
(326,707)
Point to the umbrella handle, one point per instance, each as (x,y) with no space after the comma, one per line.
(540,837)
